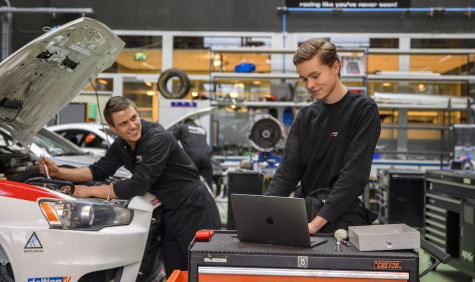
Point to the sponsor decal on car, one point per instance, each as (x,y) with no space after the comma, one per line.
(50,279)
(33,245)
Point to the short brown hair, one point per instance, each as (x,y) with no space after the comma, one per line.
(116,104)
(325,50)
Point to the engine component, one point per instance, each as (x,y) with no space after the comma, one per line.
(266,133)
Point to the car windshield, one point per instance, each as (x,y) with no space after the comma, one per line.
(55,145)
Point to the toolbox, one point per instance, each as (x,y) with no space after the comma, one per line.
(384,237)
(225,258)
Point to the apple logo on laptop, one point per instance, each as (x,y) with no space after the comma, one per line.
(270,220)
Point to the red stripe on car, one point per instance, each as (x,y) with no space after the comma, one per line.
(24,191)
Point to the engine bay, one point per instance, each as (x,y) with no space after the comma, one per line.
(12,160)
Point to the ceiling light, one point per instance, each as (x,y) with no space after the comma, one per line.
(148,66)
(102,81)
(445,58)
(148,83)
(150,93)
(233,95)
(194,94)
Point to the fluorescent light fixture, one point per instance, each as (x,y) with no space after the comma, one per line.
(103,81)
(148,65)
(445,58)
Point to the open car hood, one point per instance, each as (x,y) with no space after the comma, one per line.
(41,78)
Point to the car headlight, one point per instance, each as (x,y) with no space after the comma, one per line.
(84,215)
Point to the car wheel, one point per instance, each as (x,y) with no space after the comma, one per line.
(184,83)
(6,273)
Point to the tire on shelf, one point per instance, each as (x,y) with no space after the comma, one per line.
(166,75)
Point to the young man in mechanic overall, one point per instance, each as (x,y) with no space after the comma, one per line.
(160,166)
(330,145)
(193,140)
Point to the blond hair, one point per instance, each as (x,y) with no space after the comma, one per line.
(326,52)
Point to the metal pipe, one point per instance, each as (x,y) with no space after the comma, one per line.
(284,35)
(369,10)
(82,11)
(6,32)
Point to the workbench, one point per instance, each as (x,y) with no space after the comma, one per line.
(225,258)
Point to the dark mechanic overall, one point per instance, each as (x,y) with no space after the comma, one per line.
(158,165)
(193,140)
(330,146)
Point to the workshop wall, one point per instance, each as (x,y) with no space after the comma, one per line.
(238,15)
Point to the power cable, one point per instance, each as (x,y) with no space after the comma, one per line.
(100,115)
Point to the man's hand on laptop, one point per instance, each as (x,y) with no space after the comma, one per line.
(317,223)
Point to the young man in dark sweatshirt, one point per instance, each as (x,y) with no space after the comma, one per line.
(330,146)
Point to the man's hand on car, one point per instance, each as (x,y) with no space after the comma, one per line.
(83,191)
(50,165)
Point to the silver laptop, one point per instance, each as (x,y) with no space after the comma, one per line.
(272,220)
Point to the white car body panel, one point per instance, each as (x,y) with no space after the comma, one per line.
(68,253)
(41,78)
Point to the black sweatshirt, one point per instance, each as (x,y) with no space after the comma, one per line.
(330,147)
(160,166)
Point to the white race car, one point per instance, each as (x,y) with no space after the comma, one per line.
(45,233)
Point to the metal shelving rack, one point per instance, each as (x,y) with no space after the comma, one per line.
(347,78)
(469,79)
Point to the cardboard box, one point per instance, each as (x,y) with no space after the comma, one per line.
(384,237)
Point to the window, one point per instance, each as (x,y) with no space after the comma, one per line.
(141,54)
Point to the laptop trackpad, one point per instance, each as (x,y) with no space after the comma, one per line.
(315,241)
